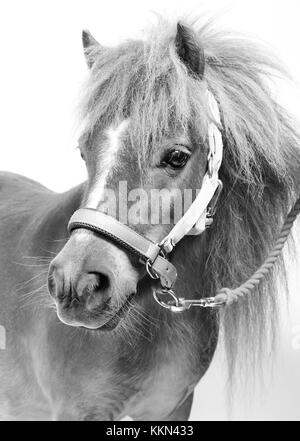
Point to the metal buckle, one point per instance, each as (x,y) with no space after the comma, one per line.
(150,270)
(211,210)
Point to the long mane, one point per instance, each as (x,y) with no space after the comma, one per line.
(261,175)
(261,167)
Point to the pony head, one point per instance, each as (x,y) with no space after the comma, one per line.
(144,145)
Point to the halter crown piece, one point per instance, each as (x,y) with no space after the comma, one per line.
(197,218)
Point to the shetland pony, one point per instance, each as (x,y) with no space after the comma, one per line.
(75,348)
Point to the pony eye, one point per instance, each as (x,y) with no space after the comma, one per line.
(176,159)
(82,156)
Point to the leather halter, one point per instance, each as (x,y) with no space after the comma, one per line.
(150,254)
(194,222)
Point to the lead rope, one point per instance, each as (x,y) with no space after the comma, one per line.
(228,296)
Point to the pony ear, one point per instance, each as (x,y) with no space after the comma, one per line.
(189,50)
(91,47)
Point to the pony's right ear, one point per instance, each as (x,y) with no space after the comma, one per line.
(91,47)
(189,50)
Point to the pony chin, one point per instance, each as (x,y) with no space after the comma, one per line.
(69,318)
(80,317)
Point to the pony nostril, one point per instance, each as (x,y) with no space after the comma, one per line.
(59,282)
(92,283)
(86,288)
(93,291)
(102,281)
(51,285)
(52,281)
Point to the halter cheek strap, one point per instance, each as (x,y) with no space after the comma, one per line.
(194,222)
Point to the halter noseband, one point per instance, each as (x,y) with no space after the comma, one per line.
(194,222)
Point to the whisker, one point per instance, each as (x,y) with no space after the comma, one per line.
(29,265)
(61,240)
(146,316)
(139,318)
(21,285)
(34,291)
(40,298)
(37,257)
(52,253)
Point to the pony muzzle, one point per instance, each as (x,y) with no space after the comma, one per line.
(90,281)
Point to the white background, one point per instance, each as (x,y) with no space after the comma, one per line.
(42,69)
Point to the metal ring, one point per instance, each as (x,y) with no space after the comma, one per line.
(150,271)
(166,292)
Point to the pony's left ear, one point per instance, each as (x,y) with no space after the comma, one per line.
(91,47)
(189,50)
